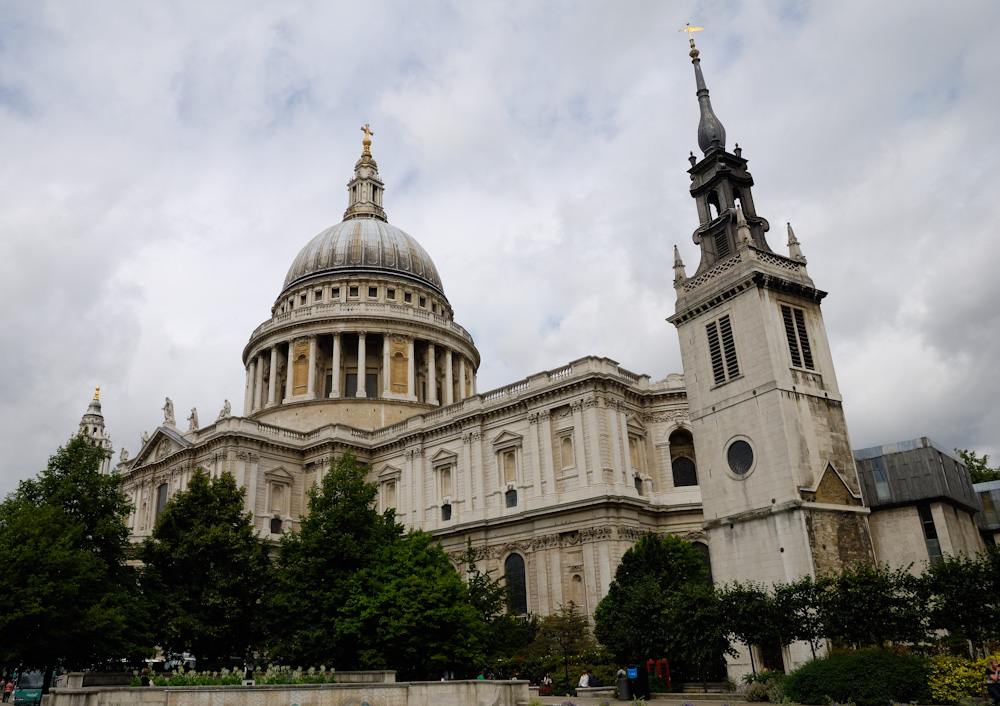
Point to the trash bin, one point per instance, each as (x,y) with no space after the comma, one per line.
(638,681)
(624,690)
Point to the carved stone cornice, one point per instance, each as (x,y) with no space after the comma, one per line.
(676,415)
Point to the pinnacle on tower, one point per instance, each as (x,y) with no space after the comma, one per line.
(679,275)
(794,251)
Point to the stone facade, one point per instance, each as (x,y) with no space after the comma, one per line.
(552,478)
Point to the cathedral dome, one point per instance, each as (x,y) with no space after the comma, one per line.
(364,245)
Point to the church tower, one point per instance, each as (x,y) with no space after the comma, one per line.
(92,424)
(780,490)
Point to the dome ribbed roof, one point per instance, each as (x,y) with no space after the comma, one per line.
(364,245)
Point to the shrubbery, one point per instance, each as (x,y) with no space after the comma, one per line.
(765,685)
(951,678)
(226,677)
(866,678)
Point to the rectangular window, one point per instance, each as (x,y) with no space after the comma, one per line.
(407,297)
(352,292)
(318,295)
(350,385)
(989,509)
(722,348)
(373,292)
(930,532)
(390,294)
(798,339)
(335,293)
(881,478)
(423,303)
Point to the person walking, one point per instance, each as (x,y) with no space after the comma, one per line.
(8,689)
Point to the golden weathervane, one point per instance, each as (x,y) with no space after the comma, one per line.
(690,30)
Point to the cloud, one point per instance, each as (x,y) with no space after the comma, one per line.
(164,164)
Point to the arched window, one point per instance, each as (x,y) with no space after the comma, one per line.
(684,472)
(161,499)
(517,595)
(713,204)
(682,459)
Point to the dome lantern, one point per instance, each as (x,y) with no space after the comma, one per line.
(364,191)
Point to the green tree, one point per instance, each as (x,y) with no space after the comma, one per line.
(797,603)
(67,596)
(954,606)
(565,633)
(205,573)
(418,616)
(505,635)
(750,614)
(698,634)
(634,619)
(352,591)
(321,579)
(866,606)
(979,470)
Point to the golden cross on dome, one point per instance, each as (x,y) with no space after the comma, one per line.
(368,138)
(690,30)
(97,392)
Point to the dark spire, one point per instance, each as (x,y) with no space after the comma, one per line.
(711,134)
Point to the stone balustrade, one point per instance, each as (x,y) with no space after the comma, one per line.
(361,310)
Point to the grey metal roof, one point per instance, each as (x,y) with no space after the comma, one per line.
(364,245)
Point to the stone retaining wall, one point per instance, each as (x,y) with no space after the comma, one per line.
(475,692)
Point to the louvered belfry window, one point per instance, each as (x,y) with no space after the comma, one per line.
(798,339)
(722,348)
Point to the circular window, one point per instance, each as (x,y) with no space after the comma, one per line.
(740,457)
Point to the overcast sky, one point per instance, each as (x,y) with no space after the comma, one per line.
(161,164)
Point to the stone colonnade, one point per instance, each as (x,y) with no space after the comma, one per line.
(359,364)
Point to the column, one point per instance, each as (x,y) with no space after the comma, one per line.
(386,367)
(289,376)
(248,395)
(335,389)
(474,390)
(411,371)
(461,378)
(432,397)
(584,471)
(362,362)
(258,389)
(272,389)
(449,395)
(311,384)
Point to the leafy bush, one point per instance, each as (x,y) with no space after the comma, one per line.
(273,675)
(866,678)
(951,678)
(765,685)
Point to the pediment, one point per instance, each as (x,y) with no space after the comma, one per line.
(635,424)
(444,457)
(279,474)
(163,443)
(506,438)
(831,488)
(388,472)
